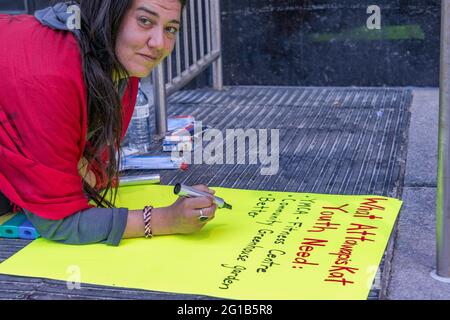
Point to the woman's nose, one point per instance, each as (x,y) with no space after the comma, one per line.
(156,40)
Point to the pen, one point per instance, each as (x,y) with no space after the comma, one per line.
(186,191)
(136,180)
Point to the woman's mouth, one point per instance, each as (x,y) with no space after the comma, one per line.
(148,58)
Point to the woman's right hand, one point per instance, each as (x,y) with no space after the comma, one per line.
(185,213)
(182,217)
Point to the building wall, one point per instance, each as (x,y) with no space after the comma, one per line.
(327,43)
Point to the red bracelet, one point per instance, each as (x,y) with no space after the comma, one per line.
(147,218)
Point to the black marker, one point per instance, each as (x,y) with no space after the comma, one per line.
(185,191)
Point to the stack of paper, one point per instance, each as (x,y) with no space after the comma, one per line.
(182,133)
(147,162)
(179,137)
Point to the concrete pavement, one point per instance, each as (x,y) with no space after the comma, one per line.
(414,253)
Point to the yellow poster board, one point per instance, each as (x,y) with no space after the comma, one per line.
(272,245)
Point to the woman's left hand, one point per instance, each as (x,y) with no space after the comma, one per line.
(89,177)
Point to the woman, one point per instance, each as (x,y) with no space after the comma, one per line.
(66,98)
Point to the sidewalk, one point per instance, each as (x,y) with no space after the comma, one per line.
(414,254)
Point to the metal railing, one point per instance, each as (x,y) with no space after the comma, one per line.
(198,46)
(443,187)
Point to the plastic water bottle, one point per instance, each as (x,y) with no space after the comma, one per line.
(139,128)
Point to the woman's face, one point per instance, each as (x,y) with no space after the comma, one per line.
(147,35)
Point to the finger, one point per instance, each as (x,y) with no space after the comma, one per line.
(198,202)
(82,167)
(210,212)
(204,188)
(207,214)
(91,179)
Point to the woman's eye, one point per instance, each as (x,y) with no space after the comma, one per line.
(172,30)
(145,21)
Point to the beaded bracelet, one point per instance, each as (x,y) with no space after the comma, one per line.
(147,225)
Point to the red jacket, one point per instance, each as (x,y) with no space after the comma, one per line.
(43,117)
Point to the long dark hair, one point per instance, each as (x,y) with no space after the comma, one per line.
(100,22)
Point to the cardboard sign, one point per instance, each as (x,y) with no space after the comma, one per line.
(272,245)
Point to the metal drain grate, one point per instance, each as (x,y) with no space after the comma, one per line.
(332,140)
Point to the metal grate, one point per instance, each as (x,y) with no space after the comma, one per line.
(332,140)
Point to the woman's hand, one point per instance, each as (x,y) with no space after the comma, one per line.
(89,177)
(182,217)
(186,212)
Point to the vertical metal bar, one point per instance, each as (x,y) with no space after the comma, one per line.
(185,38)
(159,93)
(200,28)
(193,31)
(217,44)
(169,68)
(178,54)
(443,190)
(208,26)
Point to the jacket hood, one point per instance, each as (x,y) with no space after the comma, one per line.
(56,17)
